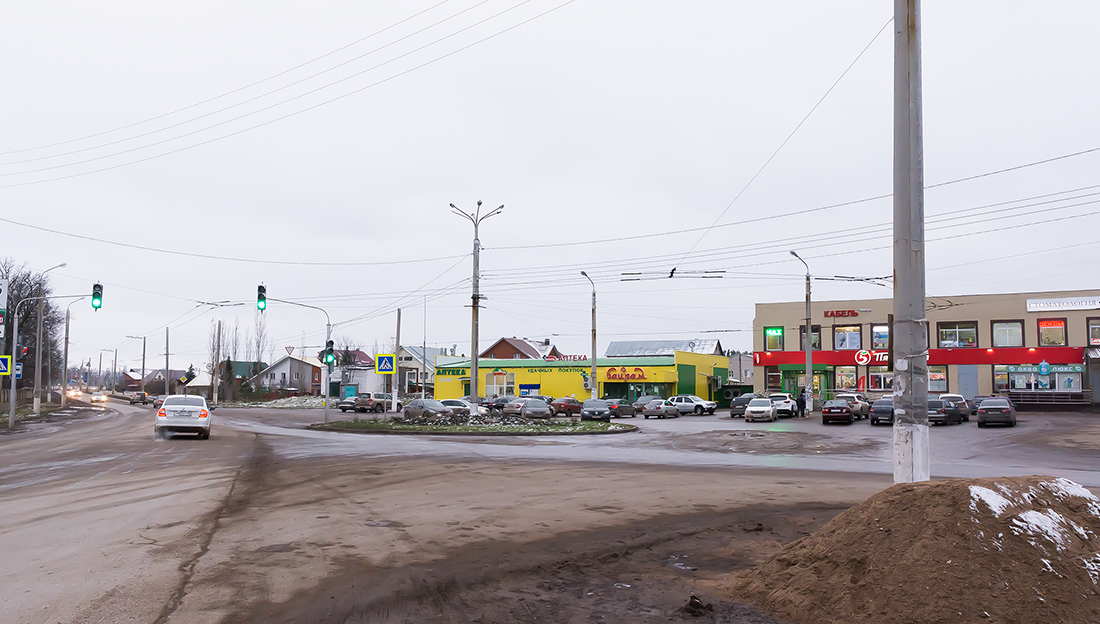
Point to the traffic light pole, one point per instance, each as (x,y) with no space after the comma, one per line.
(14,353)
(328,336)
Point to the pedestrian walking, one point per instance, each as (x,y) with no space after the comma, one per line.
(801,402)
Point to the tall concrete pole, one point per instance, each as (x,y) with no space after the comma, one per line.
(114,367)
(216,380)
(143,364)
(99,373)
(11,372)
(65,364)
(167,371)
(476,218)
(396,362)
(38,357)
(325,368)
(809,389)
(593,380)
(910,329)
(424,355)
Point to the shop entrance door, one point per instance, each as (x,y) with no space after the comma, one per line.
(968,380)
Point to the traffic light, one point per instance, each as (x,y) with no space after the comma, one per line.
(261,298)
(97,296)
(330,356)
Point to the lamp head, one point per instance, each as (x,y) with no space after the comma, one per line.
(584,274)
(479,203)
(454,206)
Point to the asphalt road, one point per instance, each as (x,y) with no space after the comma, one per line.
(101,522)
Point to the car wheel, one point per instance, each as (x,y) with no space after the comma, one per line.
(378,409)
(698,410)
(851,421)
(1013,423)
(981,425)
(711,412)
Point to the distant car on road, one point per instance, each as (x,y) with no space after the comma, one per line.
(621,407)
(74,393)
(784,403)
(139,397)
(738,404)
(418,408)
(515,406)
(566,406)
(661,408)
(595,409)
(996,410)
(536,408)
(943,412)
(691,404)
(837,410)
(183,413)
(99,397)
(367,402)
(761,409)
(882,410)
(961,403)
(157,402)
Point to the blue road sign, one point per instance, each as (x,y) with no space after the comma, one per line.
(19,370)
(384,363)
(5,365)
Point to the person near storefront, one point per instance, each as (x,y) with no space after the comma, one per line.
(801,402)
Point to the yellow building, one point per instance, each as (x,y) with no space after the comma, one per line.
(665,376)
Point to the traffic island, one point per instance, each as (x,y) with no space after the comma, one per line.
(477,426)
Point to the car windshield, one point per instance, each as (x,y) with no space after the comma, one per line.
(536,403)
(995,403)
(184,402)
(777,397)
(760,403)
(595,404)
(453,403)
(655,402)
(836,403)
(429,403)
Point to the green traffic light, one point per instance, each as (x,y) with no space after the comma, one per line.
(261,304)
(97,296)
(261,298)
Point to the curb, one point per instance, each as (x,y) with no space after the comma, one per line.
(322,427)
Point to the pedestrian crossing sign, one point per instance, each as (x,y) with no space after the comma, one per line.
(5,365)
(384,363)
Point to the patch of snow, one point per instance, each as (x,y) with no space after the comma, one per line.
(996,503)
(1063,489)
(1092,566)
(1048,524)
(1049,568)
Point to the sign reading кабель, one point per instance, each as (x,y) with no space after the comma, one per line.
(1064,303)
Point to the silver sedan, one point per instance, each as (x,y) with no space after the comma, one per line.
(661,408)
(761,409)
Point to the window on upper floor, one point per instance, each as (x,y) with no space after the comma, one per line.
(1008,333)
(773,338)
(1052,332)
(955,334)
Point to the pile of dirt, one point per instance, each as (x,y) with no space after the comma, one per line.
(1023,549)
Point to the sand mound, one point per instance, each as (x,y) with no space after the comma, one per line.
(1024,549)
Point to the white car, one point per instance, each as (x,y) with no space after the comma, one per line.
(459,406)
(761,409)
(183,413)
(98,397)
(861,407)
(689,403)
(784,403)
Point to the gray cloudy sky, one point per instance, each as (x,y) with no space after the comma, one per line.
(589,120)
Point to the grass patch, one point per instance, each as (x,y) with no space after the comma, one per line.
(548,427)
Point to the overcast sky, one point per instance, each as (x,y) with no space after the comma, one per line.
(291,132)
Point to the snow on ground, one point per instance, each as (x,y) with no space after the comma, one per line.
(300,402)
(996,503)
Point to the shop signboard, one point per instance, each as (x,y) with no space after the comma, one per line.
(1063,303)
(1045,369)
(623,374)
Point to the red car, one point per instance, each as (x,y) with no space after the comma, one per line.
(567,406)
(837,410)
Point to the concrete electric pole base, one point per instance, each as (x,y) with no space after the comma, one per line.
(911,461)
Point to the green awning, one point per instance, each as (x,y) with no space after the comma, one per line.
(818,368)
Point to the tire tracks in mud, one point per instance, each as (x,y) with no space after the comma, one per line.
(247,482)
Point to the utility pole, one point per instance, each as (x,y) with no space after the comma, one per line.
(396,361)
(326,366)
(99,373)
(167,371)
(593,380)
(910,329)
(475,218)
(114,367)
(38,341)
(216,380)
(809,389)
(65,364)
(424,354)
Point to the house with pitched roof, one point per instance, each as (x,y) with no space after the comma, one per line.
(521,349)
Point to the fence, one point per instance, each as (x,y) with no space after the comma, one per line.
(21,395)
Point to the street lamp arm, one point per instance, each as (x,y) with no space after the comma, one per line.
(303,305)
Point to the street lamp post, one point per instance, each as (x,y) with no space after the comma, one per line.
(38,340)
(594,380)
(142,361)
(14,356)
(328,336)
(65,358)
(809,342)
(475,218)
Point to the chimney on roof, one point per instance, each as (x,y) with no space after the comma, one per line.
(546,342)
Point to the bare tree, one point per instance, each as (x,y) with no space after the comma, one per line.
(345,351)
(235,339)
(260,341)
(23,283)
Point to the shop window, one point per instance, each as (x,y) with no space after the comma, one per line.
(845,377)
(880,337)
(774,378)
(500,384)
(1008,334)
(880,378)
(1094,331)
(773,338)
(958,334)
(847,338)
(1052,332)
(937,379)
(1068,381)
(1000,378)
(815,335)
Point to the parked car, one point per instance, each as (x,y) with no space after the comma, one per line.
(182,413)
(566,406)
(368,402)
(976,402)
(514,407)
(996,410)
(419,408)
(461,406)
(943,412)
(882,410)
(661,408)
(861,407)
(738,404)
(961,403)
(159,401)
(536,408)
(496,405)
(691,404)
(139,397)
(541,397)
(784,403)
(621,407)
(642,401)
(761,409)
(837,410)
(595,409)
(98,397)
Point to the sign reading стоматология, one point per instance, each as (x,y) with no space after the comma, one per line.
(1064,303)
